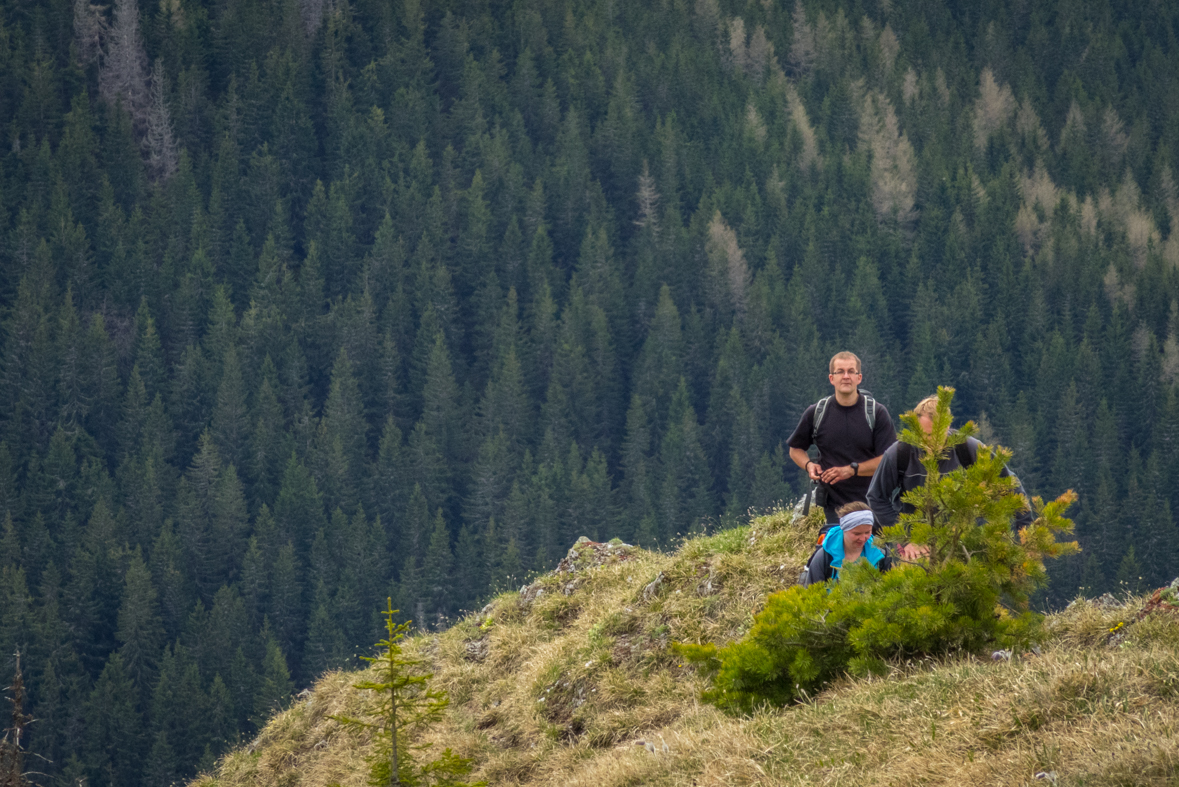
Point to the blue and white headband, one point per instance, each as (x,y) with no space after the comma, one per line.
(855,519)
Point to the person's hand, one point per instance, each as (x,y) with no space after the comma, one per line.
(833,475)
(814,471)
(913,552)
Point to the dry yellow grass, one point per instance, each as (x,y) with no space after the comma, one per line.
(581,689)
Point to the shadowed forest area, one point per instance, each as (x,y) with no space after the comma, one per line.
(305,304)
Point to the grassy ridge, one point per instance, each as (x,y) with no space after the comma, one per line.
(571,682)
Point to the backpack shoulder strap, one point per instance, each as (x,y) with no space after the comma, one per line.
(820,410)
(962,451)
(905,453)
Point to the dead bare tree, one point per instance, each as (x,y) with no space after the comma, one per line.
(123,76)
(159,141)
(648,198)
(12,763)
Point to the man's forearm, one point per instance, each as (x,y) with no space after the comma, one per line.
(868,466)
(800,457)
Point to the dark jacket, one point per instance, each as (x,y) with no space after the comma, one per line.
(828,559)
(890,482)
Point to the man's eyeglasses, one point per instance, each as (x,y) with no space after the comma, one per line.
(845,373)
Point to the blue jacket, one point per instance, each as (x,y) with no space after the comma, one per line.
(828,559)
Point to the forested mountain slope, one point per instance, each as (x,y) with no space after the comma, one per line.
(305,304)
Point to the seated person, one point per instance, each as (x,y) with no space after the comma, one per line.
(844,544)
(900,470)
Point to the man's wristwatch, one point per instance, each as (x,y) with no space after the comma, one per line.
(855,466)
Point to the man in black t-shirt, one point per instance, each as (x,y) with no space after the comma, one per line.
(849,448)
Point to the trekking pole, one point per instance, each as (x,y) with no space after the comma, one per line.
(812,454)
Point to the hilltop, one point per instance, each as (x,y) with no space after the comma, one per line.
(570,681)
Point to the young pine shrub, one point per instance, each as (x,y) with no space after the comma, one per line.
(970,592)
(405,705)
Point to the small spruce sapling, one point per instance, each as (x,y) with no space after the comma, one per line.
(952,601)
(964,517)
(405,706)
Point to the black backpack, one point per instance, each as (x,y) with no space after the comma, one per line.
(907,451)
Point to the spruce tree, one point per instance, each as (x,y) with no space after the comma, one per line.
(491,478)
(405,707)
(15,620)
(686,498)
(131,423)
(660,364)
(437,575)
(299,505)
(115,736)
(275,687)
(269,442)
(389,495)
(470,571)
(1129,574)
(343,412)
(140,626)
(325,648)
(230,422)
(253,581)
(10,550)
(161,765)
(222,726)
(286,609)
(101,384)
(171,577)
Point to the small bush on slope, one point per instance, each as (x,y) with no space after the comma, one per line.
(806,637)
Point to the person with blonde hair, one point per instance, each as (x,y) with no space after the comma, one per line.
(850,429)
(900,470)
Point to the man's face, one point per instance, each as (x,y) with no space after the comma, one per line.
(926,421)
(845,376)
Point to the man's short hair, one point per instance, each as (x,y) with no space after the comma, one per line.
(927,406)
(855,505)
(845,356)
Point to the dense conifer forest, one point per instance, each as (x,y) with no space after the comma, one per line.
(306,303)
